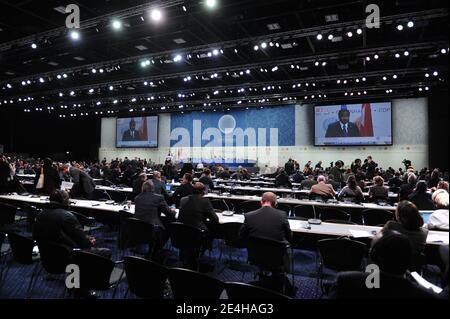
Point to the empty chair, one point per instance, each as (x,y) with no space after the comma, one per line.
(146,279)
(341,254)
(189,240)
(250,206)
(21,248)
(54,260)
(304,211)
(188,284)
(85,221)
(333,214)
(97,272)
(241,291)
(376,217)
(230,234)
(7,215)
(285,208)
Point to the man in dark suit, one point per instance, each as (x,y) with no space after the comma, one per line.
(195,209)
(184,190)
(84,185)
(149,207)
(160,186)
(267,222)
(282,180)
(132,134)
(57,224)
(391,252)
(343,128)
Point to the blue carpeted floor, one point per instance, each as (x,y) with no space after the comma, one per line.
(305,272)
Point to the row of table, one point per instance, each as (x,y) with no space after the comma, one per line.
(297,226)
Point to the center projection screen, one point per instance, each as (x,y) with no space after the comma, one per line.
(137,132)
(353,124)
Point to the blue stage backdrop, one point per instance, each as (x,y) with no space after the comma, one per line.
(281,118)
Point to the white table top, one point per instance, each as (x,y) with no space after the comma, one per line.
(297,226)
(114,189)
(293,201)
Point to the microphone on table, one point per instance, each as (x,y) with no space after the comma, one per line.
(110,201)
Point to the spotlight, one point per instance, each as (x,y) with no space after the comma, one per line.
(94,71)
(247,72)
(406,53)
(64,75)
(443,51)
(319,37)
(349,34)
(117,25)
(156,15)
(211,3)
(41,80)
(359,31)
(368,58)
(400,27)
(376,56)
(59,76)
(256,48)
(435,73)
(427,75)
(395,76)
(397,55)
(264,45)
(317,63)
(324,63)
(215,52)
(111,88)
(75,35)
(330,37)
(410,24)
(8,86)
(34,46)
(177,58)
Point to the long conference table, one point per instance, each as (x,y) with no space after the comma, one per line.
(297,226)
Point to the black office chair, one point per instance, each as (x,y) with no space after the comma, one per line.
(230,233)
(285,208)
(341,254)
(188,284)
(54,260)
(146,279)
(269,256)
(3,252)
(28,213)
(241,291)
(7,216)
(249,206)
(22,252)
(189,241)
(97,272)
(327,213)
(304,212)
(319,198)
(87,222)
(136,232)
(376,217)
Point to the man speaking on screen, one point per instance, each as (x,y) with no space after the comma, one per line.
(343,128)
(132,134)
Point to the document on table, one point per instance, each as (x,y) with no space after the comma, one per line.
(360,233)
(427,285)
(438,238)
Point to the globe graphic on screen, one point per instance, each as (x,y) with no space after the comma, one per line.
(227,124)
